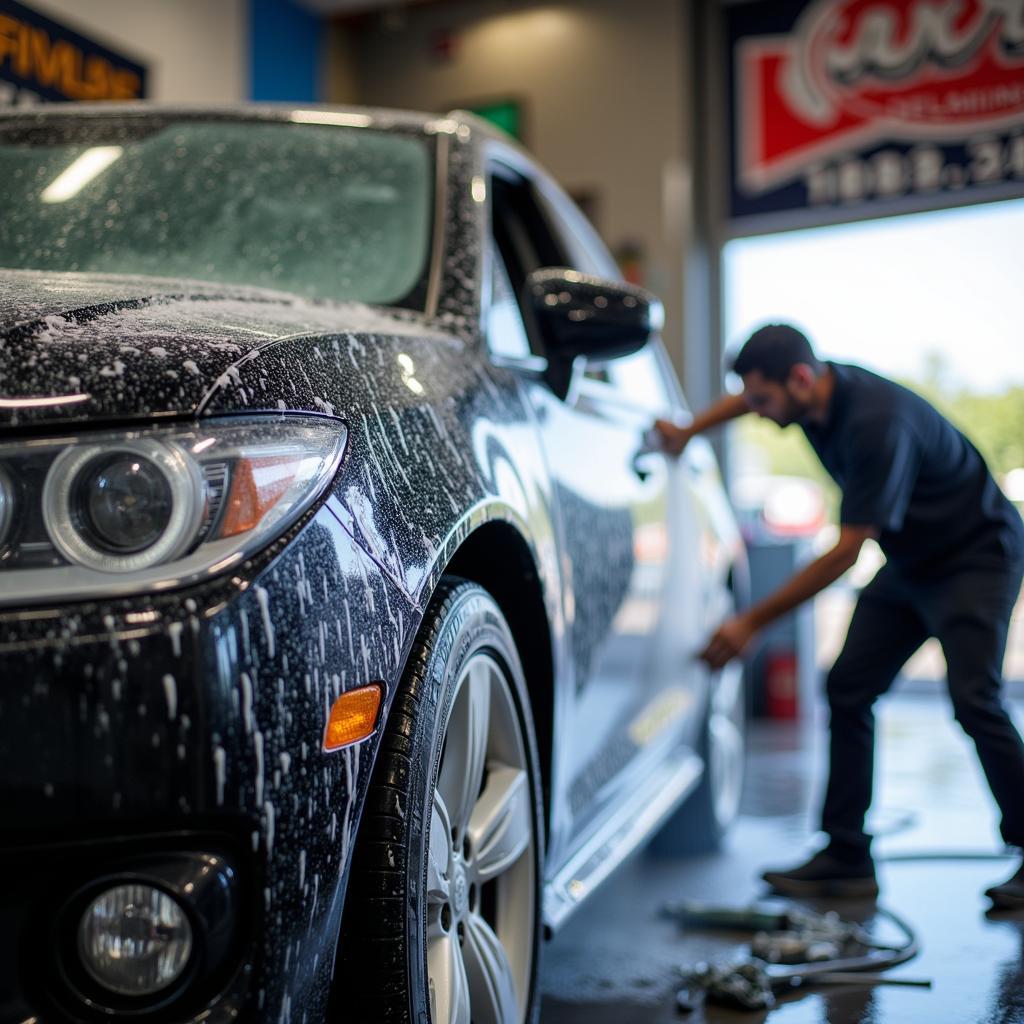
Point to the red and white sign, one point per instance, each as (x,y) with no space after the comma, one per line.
(854,73)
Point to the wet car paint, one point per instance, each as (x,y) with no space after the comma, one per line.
(113,731)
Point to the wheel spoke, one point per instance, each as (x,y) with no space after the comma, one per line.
(491,983)
(727,745)
(449,985)
(501,826)
(462,770)
(727,735)
(727,750)
(439,853)
(726,692)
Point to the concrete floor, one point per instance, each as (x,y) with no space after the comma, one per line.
(618,960)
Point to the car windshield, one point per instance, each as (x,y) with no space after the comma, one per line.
(324,211)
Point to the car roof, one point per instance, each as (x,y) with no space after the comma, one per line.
(453,122)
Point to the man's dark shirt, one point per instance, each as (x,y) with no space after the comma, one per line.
(904,468)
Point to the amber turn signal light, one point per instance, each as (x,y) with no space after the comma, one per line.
(353,716)
(256,485)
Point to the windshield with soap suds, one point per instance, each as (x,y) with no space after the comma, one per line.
(322,211)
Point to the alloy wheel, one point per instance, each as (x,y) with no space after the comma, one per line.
(481,886)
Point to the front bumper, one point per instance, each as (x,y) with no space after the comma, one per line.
(194,721)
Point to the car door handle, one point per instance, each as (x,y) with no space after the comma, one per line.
(645,462)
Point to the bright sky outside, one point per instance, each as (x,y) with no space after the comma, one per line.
(886,293)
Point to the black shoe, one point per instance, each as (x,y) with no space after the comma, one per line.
(1009,895)
(826,875)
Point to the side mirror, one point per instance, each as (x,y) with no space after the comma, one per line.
(580,315)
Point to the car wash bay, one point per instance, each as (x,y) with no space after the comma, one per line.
(709,177)
(620,961)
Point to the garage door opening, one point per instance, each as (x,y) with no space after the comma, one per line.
(928,300)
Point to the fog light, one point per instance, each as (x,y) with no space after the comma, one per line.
(134,940)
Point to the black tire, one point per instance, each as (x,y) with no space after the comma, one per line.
(383,965)
(700,824)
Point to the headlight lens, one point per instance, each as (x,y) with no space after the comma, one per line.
(125,506)
(125,502)
(135,940)
(115,513)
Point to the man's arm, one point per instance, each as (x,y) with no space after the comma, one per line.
(735,634)
(675,438)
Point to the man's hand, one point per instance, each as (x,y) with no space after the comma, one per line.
(672,438)
(731,640)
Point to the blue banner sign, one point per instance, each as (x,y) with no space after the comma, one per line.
(43,61)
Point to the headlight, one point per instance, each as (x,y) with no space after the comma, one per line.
(134,940)
(124,506)
(115,513)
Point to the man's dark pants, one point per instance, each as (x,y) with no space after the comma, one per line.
(968,610)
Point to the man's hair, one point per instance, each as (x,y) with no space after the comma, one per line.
(774,350)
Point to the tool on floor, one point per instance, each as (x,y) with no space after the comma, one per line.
(864,978)
(752,917)
(792,947)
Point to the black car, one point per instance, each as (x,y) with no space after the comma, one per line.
(347,622)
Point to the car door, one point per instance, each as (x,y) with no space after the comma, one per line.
(620,508)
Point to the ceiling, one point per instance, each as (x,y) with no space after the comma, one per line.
(343,7)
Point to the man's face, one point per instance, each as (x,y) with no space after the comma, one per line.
(781,403)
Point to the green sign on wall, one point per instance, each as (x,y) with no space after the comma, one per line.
(506,114)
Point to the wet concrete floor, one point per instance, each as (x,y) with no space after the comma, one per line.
(618,961)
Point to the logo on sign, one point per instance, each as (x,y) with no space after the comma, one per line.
(855,72)
(43,60)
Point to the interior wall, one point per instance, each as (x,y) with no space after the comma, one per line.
(196,51)
(601,84)
(339,65)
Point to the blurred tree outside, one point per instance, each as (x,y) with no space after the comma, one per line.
(993,422)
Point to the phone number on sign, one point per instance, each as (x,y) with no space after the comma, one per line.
(890,173)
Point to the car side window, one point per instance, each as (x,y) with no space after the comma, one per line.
(506,333)
(586,252)
(536,225)
(523,240)
(639,379)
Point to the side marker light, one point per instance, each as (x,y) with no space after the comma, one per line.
(353,716)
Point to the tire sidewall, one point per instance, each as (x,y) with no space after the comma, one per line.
(461,623)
